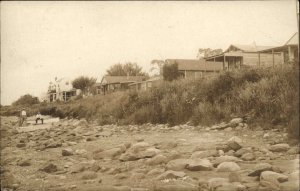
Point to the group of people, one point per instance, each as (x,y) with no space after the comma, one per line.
(23,118)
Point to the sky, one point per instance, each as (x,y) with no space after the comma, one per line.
(41,40)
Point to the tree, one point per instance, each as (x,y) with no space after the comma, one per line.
(205,52)
(131,69)
(157,64)
(83,83)
(26,100)
(170,71)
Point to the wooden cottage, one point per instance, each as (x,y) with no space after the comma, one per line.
(145,85)
(189,68)
(238,56)
(115,83)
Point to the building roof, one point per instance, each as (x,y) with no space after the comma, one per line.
(196,65)
(294,40)
(121,79)
(249,48)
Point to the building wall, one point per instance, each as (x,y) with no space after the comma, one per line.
(251,59)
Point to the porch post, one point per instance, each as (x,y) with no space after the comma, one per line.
(224,62)
(258,59)
(273,58)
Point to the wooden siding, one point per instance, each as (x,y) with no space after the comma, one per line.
(251,59)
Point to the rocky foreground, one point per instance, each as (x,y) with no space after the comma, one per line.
(75,155)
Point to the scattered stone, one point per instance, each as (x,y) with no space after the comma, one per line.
(293,150)
(248,157)
(158,159)
(67,152)
(242,151)
(89,175)
(108,154)
(259,168)
(271,185)
(178,164)
(50,168)
(199,165)
(21,145)
(204,154)
(234,143)
(234,177)
(279,147)
(25,162)
(170,174)
(273,176)
(235,122)
(177,187)
(225,158)
(155,171)
(228,167)
(224,147)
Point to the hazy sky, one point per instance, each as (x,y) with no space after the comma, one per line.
(44,40)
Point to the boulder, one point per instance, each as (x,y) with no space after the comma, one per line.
(228,167)
(67,152)
(178,187)
(24,162)
(199,165)
(89,175)
(248,157)
(259,168)
(235,122)
(158,159)
(234,143)
(155,171)
(204,154)
(49,168)
(293,150)
(271,176)
(279,147)
(213,183)
(270,185)
(178,164)
(108,154)
(242,151)
(225,158)
(170,174)
(234,177)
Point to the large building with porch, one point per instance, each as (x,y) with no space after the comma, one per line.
(241,56)
(116,83)
(61,89)
(289,51)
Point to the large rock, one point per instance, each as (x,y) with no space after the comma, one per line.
(170,174)
(204,154)
(49,168)
(199,165)
(225,158)
(108,154)
(228,167)
(235,122)
(271,176)
(293,150)
(259,168)
(67,152)
(89,175)
(270,185)
(177,187)
(158,159)
(178,164)
(234,143)
(248,157)
(242,151)
(279,147)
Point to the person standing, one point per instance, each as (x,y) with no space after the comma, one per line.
(23,117)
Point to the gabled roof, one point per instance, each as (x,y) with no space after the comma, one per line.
(196,65)
(122,79)
(294,40)
(248,48)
